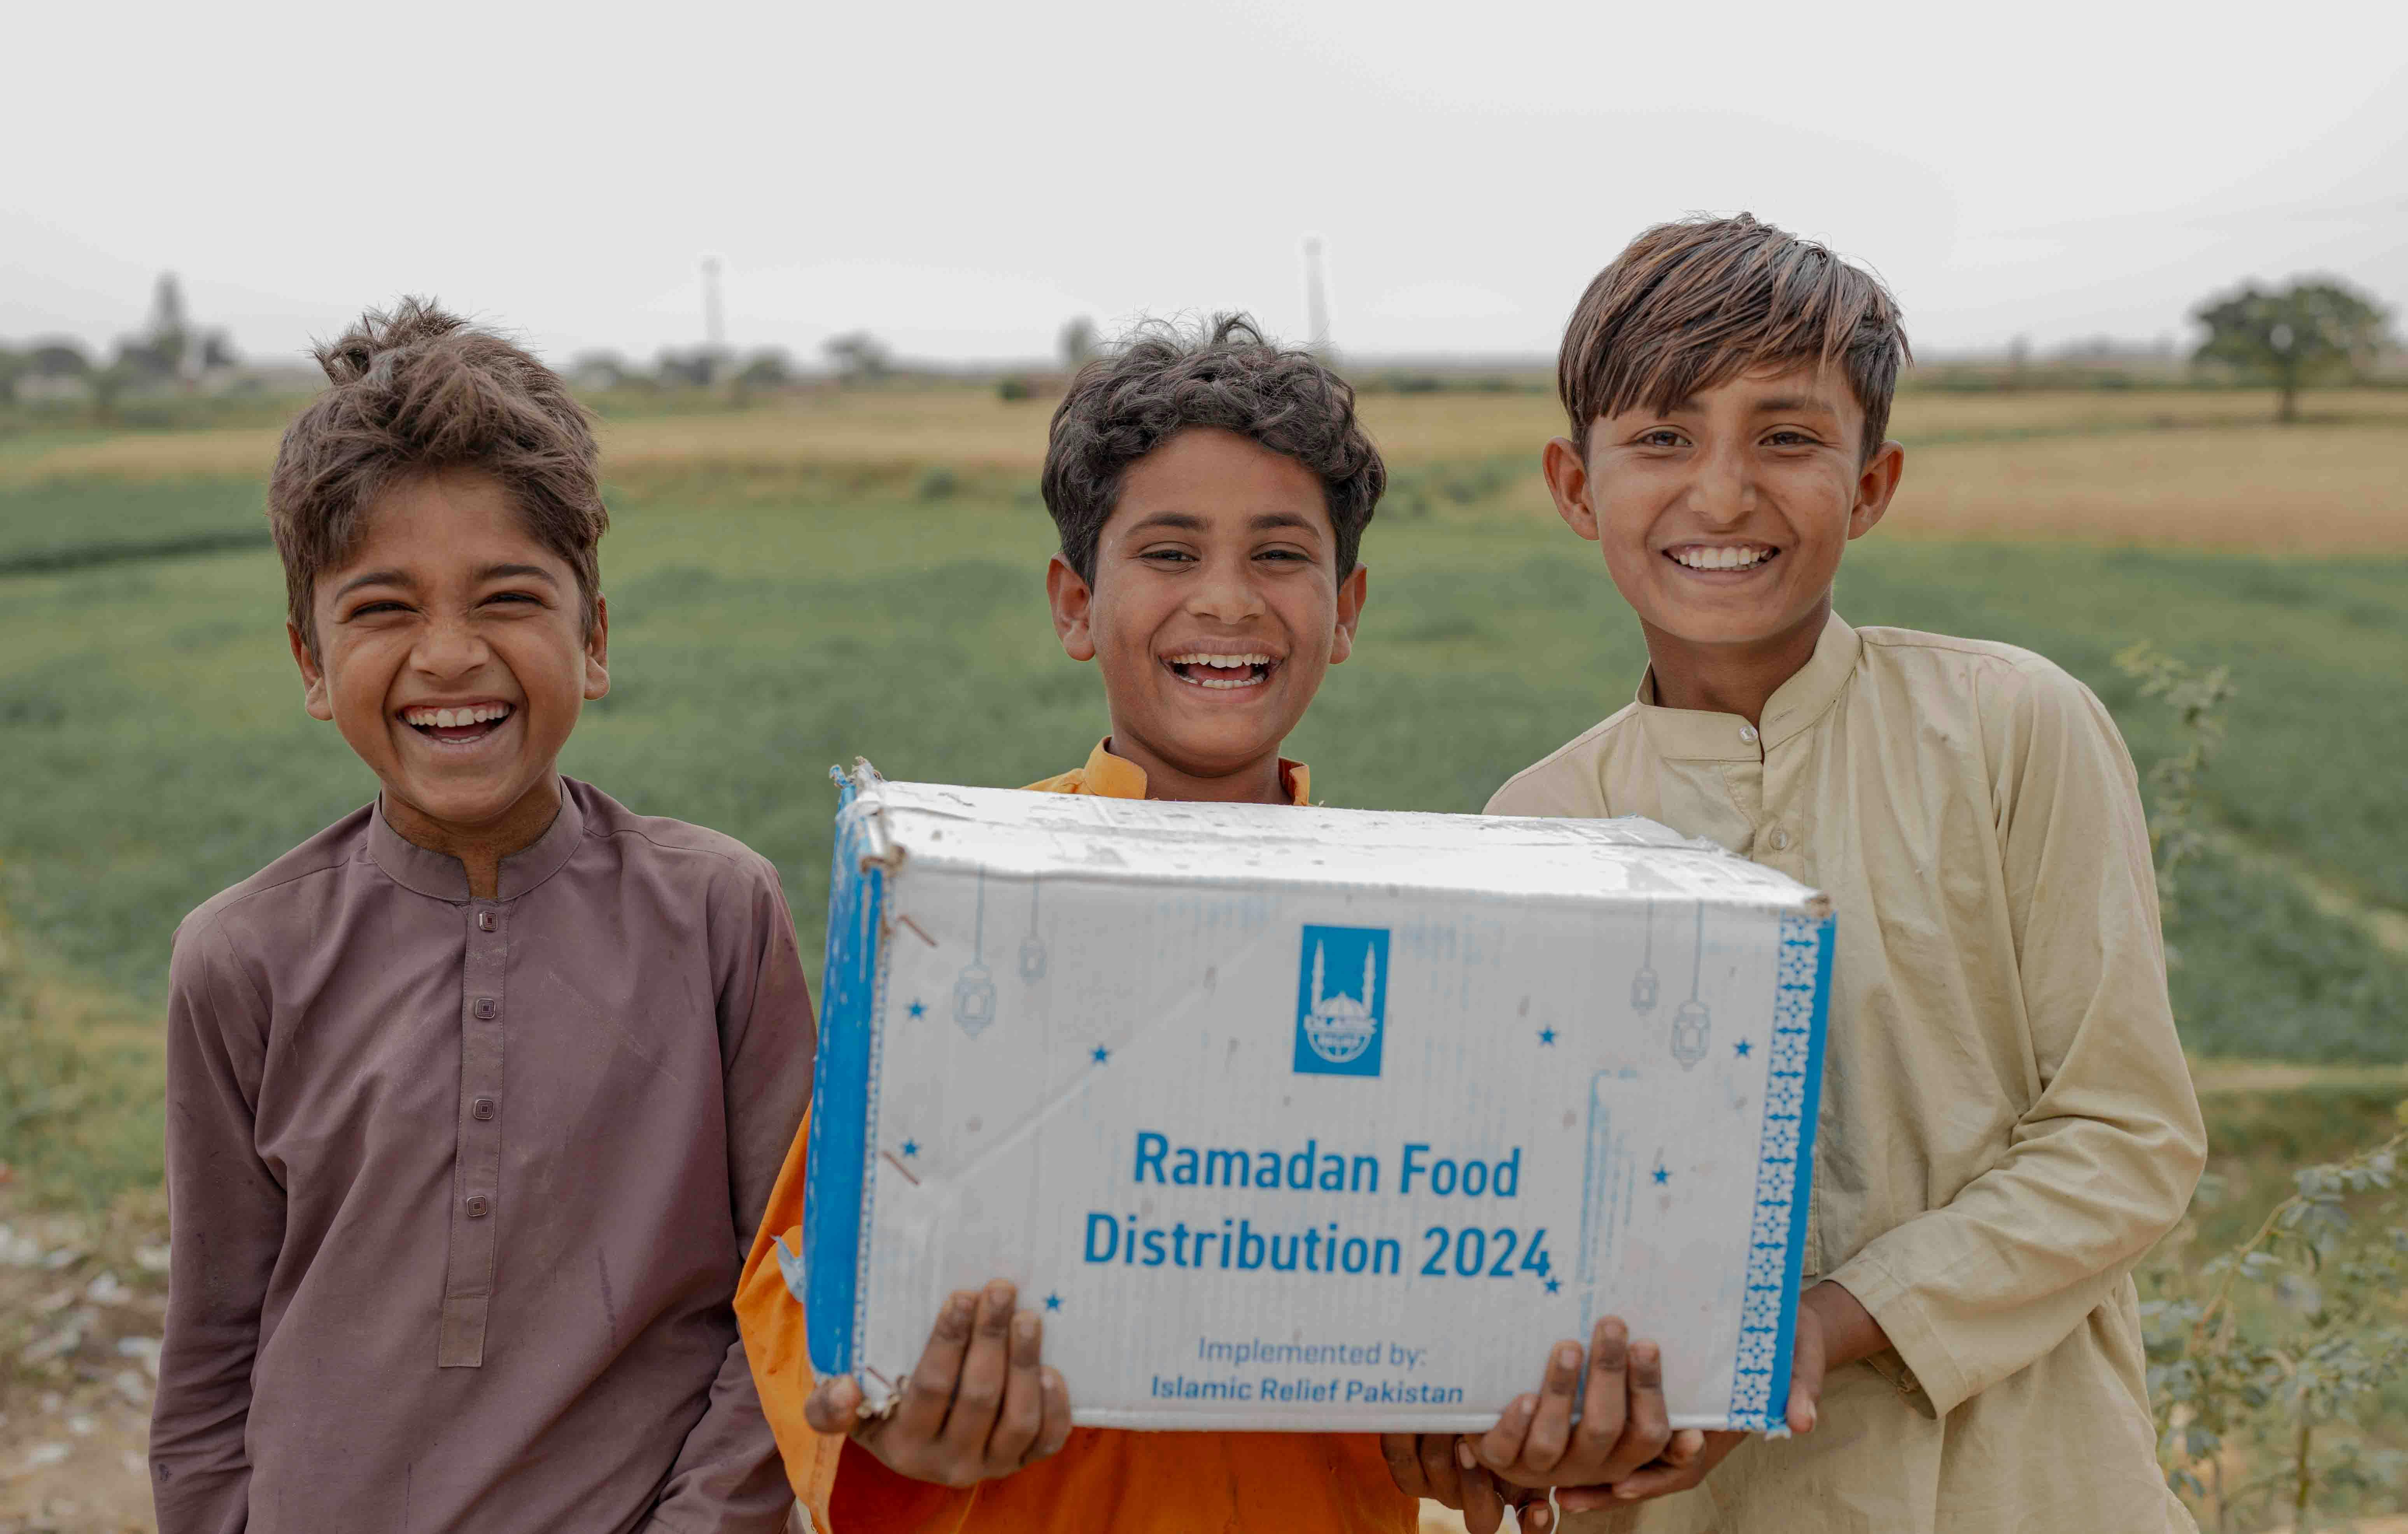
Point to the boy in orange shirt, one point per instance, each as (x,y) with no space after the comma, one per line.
(1210,496)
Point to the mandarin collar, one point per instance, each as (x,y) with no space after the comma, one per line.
(1118,778)
(1702,735)
(439,875)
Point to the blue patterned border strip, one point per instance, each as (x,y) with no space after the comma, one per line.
(1784,1176)
(836,1209)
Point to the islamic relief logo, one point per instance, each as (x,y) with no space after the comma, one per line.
(1340,1018)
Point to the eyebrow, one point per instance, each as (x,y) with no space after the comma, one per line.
(1265,520)
(373,578)
(484,573)
(1188,522)
(1775,406)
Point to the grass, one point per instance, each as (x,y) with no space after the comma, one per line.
(65,524)
(974,429)
(774,613)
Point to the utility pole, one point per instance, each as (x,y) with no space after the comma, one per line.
(714,320)
(1316,303)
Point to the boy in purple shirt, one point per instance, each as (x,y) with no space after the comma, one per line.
(474,1098)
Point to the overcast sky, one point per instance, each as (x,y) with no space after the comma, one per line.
(961,180)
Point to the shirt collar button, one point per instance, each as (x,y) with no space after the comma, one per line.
(1747,733)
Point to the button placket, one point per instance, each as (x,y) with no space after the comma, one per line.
(469,1275)
(1789,767)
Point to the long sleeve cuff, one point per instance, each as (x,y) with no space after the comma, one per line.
(1918,1363)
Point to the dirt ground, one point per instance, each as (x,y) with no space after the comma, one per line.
(82,1301)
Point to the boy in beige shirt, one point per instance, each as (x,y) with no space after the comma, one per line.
(2008,1121)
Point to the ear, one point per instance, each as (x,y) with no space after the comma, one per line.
(1567,481)
(1875,485)
(314,696)
(1074,604)
(1350,593)
(597,651)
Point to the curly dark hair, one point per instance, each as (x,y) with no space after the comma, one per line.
(420,388)
(1161,381)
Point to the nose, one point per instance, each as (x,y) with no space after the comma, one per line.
(1224,592)
(450,649)
(1724,491)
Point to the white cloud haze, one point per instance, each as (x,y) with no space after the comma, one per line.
(962,179)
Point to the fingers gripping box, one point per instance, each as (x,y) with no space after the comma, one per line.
(1295,1118)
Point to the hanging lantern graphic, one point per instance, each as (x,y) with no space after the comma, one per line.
(1691,1023)
(1642,984)
(974,993)
(1032,947)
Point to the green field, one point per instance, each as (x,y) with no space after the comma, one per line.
(777,610)
(155,750)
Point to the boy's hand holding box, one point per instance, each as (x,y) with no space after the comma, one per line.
(1307,1118)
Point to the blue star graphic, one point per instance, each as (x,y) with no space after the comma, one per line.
(1546,1036)
(1661,1176)
(1742,1047)
(910,1147)
(919,1010)
(1554,1286)
(1102,1055)
(1053,1302)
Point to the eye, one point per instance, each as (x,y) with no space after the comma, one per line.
(1293,556)
(528,597)
(374,610)
(1789,437)
(1167,556)
(1659,436)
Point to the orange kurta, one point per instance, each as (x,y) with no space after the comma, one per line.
(1139,1483)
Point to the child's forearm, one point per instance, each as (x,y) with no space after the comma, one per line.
(1850,1333)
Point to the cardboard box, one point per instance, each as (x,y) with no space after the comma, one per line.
(1296,1118)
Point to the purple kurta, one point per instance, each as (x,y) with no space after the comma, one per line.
(461,1188)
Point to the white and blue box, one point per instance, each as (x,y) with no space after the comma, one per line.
(1299,1118)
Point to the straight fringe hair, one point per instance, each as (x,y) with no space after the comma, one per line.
(1695,302)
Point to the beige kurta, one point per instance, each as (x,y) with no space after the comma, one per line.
(2007,1120)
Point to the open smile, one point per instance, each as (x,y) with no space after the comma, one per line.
(459,724)
(1221,672)
(1713,559)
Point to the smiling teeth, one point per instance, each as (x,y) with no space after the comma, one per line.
(1242,667)
(451,719)
(1721,558)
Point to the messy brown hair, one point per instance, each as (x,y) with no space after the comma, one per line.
(1160,381)
(1695,302)
(418,390)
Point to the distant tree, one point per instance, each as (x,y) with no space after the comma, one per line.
(13,366)
(137,358)
(1078,343)
(768,368)
(168,340)
(695,369)
(59,359)
(108,385)
(217,350)
(2315,328)
(858,356)
(598,370)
